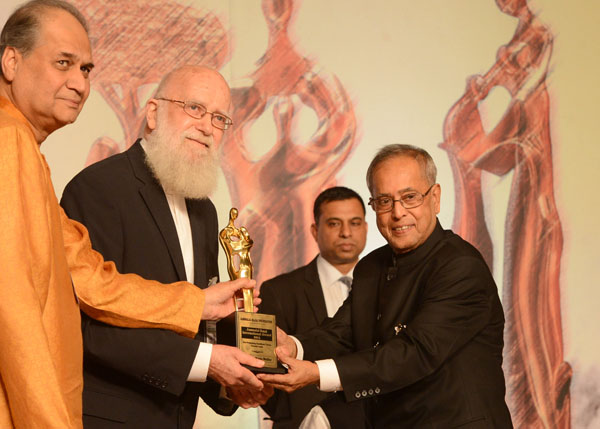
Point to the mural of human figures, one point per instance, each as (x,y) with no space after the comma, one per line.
(373,73)
(537,377)
(275,193)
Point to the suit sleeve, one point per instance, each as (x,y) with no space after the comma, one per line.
(332,338)
(157,357)
(456,306)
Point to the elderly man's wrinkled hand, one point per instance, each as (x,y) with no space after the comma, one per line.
(218,299)
(226,367)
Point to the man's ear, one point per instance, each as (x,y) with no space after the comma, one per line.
(437,196)
(151,112)
(10,62)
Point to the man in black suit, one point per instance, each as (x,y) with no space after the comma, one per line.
(147,209)
(305,297)
(418,343)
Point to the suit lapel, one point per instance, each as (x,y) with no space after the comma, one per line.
(314,291)
(156,201)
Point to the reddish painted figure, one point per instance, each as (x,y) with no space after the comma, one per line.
(537,377)
(275,192)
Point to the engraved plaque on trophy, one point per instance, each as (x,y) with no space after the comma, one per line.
(253,333)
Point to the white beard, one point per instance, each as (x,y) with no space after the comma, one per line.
(180,167)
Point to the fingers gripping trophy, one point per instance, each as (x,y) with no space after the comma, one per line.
(255,333)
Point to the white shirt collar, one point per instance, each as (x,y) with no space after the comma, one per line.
(328,274)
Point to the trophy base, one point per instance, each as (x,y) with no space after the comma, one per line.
(264,370)
(255,334)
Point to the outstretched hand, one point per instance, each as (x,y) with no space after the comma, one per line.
(300,373)
(226,367)
(218,299)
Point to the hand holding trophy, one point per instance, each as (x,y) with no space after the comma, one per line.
(255,333)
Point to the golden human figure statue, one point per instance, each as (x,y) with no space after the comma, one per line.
(237,244)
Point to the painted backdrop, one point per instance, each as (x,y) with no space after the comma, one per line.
(499,92)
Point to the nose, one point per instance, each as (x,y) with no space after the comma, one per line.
(78,82)
(204,124)
(345,230)
(398,210)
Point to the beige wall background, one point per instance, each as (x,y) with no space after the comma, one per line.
(404,64)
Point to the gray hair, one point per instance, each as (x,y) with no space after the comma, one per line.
(393,150)
(22,27)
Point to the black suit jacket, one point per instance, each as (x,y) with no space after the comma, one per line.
(297,301)
(136,378)
(419,340)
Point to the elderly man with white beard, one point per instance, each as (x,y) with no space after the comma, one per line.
(148,210)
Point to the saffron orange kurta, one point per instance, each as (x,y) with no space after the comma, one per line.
(40,250)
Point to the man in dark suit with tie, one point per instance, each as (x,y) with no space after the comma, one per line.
(147,209)
(305,297)
(418,343)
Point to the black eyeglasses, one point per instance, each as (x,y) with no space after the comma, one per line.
(408,200)
(197,110)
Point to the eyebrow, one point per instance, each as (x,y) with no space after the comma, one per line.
(387,194)
(219,111)
(74,57)
(341,220)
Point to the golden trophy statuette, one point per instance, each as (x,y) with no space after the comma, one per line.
(255,333)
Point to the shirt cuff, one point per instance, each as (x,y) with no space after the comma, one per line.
(329,378)
(299,348)
(199,370)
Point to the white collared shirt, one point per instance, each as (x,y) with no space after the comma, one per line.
(334,291)
(199,369)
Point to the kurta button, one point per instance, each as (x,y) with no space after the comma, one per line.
(377,390)
(357,395)
(376,345)
(364,393)
(370,391)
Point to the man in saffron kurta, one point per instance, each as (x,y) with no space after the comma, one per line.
(42,88)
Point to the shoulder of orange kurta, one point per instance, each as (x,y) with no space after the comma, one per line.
(11,116)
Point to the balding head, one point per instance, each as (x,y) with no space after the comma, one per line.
(178,80)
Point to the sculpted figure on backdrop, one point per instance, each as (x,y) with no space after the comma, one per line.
(274,193)
(537,377)
(125,53)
